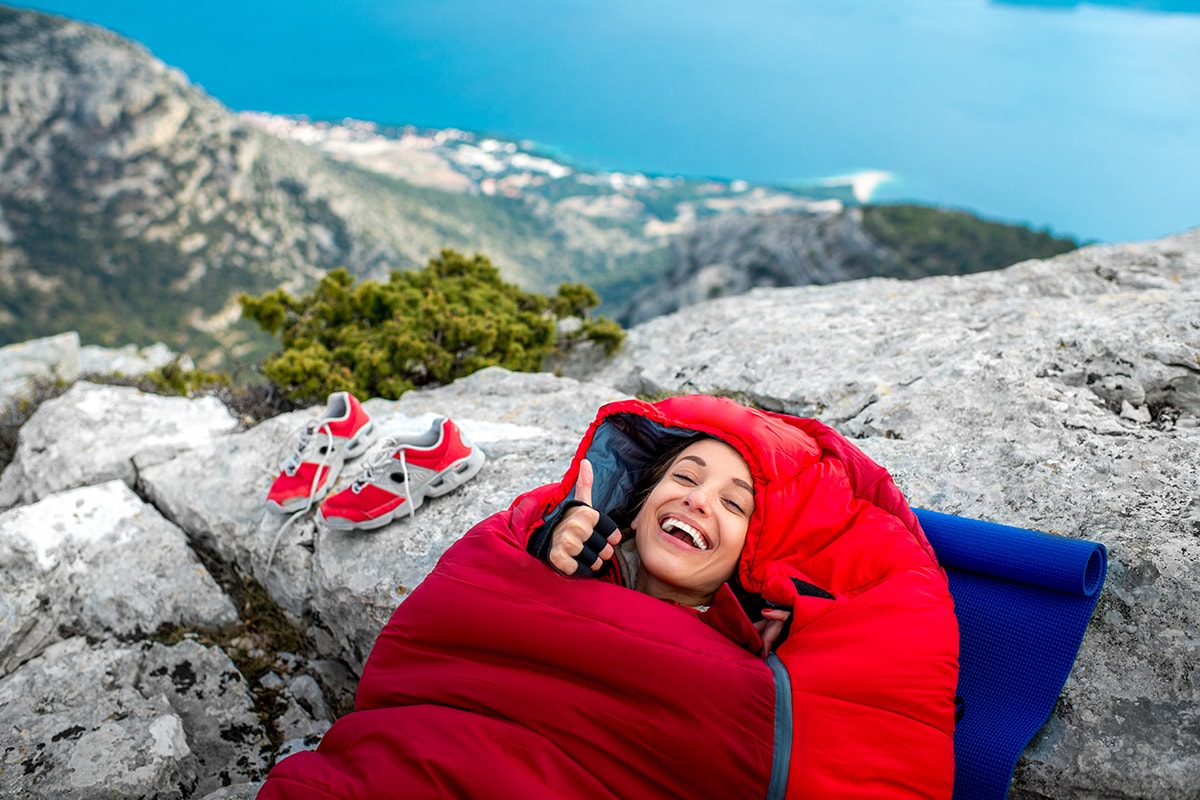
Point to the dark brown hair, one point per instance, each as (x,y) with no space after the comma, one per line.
(649,477)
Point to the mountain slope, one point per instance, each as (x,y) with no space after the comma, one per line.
(134,208)
(730,255)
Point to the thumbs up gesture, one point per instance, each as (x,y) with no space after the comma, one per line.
(576,545)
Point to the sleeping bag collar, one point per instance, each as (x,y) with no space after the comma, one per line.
(627,437)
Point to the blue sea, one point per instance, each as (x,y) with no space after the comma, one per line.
(1079,117)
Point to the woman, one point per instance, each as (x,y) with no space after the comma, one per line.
(499,677)
(690,523)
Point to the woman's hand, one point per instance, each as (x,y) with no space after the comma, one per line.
(771,626)
(576,536)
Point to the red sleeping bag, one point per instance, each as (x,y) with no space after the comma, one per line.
(498,677)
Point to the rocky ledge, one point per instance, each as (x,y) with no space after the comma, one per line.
(1060,395)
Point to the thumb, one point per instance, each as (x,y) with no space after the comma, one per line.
(583,484)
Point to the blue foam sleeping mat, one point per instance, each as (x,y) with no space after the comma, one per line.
(1023,600)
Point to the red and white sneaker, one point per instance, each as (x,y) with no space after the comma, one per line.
(401,475)
(343,432)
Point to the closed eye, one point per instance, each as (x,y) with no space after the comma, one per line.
(735,506)
(684,477)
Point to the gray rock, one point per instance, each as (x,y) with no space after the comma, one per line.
(100,562)
(62,359)
(304,718)
(241,791)
(129,360)
(300,730)
(210,696)
(218,496)
(299,745)
(53,358)
(96,433)
(84,721)
(74,727)
(307,692)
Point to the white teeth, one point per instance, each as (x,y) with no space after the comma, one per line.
(674,524)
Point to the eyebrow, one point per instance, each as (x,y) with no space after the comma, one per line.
(703,463)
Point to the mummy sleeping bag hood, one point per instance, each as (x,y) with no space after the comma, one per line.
(499,677)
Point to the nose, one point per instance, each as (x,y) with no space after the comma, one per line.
(698,499)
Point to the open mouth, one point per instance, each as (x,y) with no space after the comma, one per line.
(685,533)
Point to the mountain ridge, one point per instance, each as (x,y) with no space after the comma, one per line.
(135,208)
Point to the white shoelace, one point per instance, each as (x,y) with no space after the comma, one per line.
(380,463)
(407,485)
(310,430)
(291,465)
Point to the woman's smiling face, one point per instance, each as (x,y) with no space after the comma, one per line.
(691,528)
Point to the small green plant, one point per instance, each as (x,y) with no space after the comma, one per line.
(175,378)
(605,333)
(423,327)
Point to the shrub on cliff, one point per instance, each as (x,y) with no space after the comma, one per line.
(422,327)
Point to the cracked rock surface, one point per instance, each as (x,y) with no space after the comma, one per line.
(1059,395)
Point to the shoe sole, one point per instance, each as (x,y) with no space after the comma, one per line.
(354,448)
(444,482)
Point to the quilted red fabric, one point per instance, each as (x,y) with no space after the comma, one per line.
(498,677)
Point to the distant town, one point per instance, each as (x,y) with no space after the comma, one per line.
(455,160)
